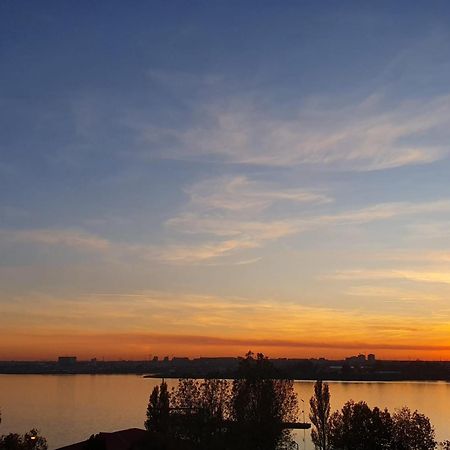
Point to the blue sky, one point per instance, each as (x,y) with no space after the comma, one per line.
(269,172)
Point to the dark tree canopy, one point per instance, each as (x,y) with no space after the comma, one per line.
(260,403)
(199,409)
(29,441)
(320,414)
(357,427)
(412,431)
(218,414)
(249,413)
(158,409)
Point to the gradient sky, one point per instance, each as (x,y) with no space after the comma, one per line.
(207,177)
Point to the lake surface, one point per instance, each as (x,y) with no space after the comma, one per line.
(69,408)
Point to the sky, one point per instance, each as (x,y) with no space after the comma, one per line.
(208,177)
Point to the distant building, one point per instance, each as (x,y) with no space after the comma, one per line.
(67,361)
(178,361)
(360,359)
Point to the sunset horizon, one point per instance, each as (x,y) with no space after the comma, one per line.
(224,225)
(199,179)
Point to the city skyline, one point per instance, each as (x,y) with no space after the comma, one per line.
(209,178)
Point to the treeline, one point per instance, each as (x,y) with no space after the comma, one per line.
(27,441)
(255,411)
(247,413)
(357,427)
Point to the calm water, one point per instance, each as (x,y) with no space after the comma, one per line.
(69,408)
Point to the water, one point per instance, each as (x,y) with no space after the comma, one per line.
(69,408)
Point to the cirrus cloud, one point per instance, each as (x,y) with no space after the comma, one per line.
(362,136)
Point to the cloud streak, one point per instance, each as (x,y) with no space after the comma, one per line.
(394,274)
(365,136)
(239,193)
(98,321)
(76,239)
(229,215)
(224,217)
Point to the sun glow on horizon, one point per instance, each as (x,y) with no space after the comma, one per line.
(201,178)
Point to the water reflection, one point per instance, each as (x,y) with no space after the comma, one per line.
(70,408)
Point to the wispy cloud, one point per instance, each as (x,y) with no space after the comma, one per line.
(384,211)
(364,136)
(396,295)
(394,274)
(201,252)
(76,239)
(219,228)
(239,193)
(99,317)
(228,215)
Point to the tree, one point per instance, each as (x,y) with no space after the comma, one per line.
(29,441)
(320,412)
(260,402)
(158,409)
(212,414)
(199,410)
(214,398)
(412,431)
(381,429)
(357,427)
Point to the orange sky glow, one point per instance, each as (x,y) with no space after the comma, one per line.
(204,178)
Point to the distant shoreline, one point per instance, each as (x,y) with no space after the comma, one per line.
(298,369)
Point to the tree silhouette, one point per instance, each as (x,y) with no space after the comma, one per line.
(199,410)
(412,431)
(320,413)
(247,413)
(357,427)
(29,441)
(381,429)
(260,403)
(158,409)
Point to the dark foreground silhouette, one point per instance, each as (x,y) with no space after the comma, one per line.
(255,411)
(357,427)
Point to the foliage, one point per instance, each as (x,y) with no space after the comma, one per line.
(217,414)
(28,441)
(260,403)
(412,431)
(357,427)
(199,409)
(249,413)
(158,409)
(320,413)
